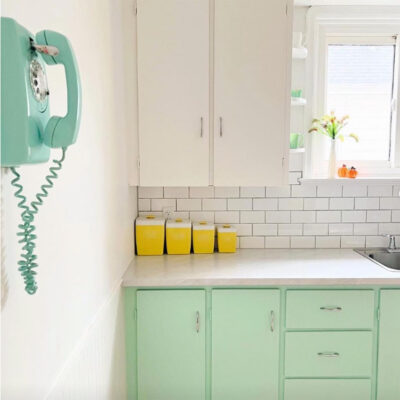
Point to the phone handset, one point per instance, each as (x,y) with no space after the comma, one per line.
(56,49)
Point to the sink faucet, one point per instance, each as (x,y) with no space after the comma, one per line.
(392,244)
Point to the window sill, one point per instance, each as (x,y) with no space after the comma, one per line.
(357,181)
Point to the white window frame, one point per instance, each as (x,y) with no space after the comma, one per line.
(325,24)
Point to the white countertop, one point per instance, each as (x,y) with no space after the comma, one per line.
(258,268)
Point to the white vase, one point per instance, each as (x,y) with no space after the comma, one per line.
(332,167)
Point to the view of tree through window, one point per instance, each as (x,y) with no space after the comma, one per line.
(360,84)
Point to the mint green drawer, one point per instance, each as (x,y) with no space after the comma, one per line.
(328,354)
(328,389)
(330,309)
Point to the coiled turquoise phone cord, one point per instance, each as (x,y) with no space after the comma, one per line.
(27,228)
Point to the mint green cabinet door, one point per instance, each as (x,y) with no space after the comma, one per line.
(245,344)
(389,346)
(171,344)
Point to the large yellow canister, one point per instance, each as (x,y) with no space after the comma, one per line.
(203,237)
(179,236)
(226,239)
(150,235)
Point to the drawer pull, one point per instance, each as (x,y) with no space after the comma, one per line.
(197,322)
(331,308)
(272,321)
(331,354)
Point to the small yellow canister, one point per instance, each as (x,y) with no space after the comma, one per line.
(179,236)
(150,235)
(203,237)
(226,239)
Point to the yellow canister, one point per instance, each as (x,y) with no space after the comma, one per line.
(150,235)
(203,237)
(226,239)
(179,236)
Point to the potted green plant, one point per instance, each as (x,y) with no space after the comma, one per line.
(329,125)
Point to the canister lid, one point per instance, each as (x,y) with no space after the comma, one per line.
(179,223)
(203,226)
(226,228)
(150,220)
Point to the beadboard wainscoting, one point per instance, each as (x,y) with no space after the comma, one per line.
(307,215)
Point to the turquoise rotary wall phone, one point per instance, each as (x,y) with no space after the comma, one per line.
(28,131)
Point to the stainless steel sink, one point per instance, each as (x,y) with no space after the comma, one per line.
(382,257)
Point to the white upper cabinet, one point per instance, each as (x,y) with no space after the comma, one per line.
(251,92)
(173,87)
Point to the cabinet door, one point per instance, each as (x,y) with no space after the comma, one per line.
(252,92)
(171,344)
(245,344)
(389,346)
(173,89)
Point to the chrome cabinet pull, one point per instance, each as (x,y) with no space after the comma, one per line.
(331,354)
(197,322)
(272,321)
(331,308)
(201,127)
(220,127)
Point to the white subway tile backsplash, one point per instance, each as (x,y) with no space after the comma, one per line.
(290,229)
(227,217)
(302,242)
(251,242)
(340,229)
(176,192)
(161,204)
(316,204)
(366,229)
(379,216)
(290,204)
(354,190)
(351,242)
(327,242)
(304,190)
(277,242)
(328,216)
(256,217)
(332,190)
(354,216)
(265,204)
(283,191)
(226,192)
(302,216)
(150,192)
(188,204)
(252,192)
(205,192)
(214,204)
(390,203)
(331,215)
(341,203)
(367,203)
(315,229)
(380,190)
(265,229)
(240,204)
(277,216)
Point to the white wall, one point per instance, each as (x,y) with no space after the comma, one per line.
(85,238)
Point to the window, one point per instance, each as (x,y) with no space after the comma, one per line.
(353,69)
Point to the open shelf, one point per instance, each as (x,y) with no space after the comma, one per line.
(300,150)
(298,101)
(299,53)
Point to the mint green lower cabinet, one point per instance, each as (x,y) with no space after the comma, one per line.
(171,344)
(389,346)
(245,344)
(327,389)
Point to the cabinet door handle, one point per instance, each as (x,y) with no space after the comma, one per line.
(331,308)
(331,354)
(201,127)
(220,127)
(197,321)
(272,321)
